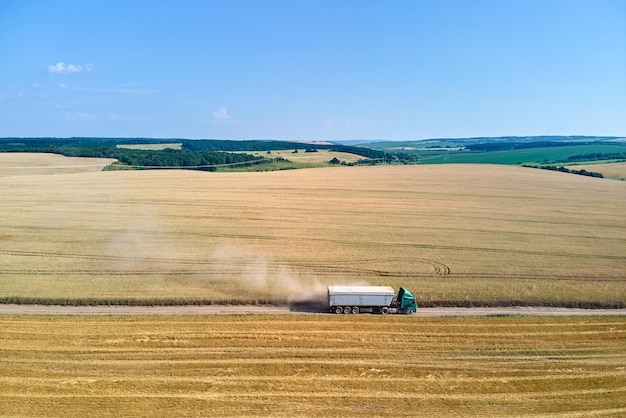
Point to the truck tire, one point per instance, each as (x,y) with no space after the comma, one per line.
(384,310)
(338,309)
(355,310)
(347,310)
(408,311)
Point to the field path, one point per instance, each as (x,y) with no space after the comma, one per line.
(11,309)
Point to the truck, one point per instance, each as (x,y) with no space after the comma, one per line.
(373,299)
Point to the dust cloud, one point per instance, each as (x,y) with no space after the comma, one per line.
(268,278)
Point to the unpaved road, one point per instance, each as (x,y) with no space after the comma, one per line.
(8,309)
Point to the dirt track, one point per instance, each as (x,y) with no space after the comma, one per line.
(8,309)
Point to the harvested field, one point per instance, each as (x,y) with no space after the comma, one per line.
(152,147)
(320,365)
(616,171)
(19,164)
(312,158)
(453,234)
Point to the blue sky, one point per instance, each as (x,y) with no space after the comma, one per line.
(312,70)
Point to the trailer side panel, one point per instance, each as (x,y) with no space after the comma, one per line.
(360,295)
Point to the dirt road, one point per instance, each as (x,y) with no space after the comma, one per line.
(8,309)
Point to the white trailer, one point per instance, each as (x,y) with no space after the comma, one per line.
(377,299)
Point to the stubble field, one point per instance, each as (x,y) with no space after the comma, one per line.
(18,164)
(616,171)
(312,365)
(460,234)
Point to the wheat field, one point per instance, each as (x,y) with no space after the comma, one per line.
(452,234)
(302,157)
(20,163)
(312,365)
(616,171)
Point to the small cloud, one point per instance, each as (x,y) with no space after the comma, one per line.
(61,68)
(80,116)
(8,93)
(62,85)
(86,116)
(221,114)
(116,90)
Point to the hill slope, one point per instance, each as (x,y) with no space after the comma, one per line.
(453,234)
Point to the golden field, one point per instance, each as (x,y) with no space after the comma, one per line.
(312,158)
(18,164)
(312,365)
(152,147)
(616,171)
(463,234)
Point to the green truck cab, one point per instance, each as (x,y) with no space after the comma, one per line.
(406,301)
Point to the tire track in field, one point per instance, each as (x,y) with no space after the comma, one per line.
(431,266)
(437,267)
(51,254)
(337,241)
(276,267)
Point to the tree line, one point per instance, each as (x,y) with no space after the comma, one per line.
(562,169)
(199,160)
(193,153)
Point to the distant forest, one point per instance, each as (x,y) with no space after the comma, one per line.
(500,146)
(194,154)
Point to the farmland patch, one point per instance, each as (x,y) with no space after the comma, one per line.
(311,365)
(616,171)
(19,164)
(152,147)
(453,234)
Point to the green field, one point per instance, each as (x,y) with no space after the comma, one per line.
(537,150)
(543,155)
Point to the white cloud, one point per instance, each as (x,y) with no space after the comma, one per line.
(61,68)
(11,93)
(62,85)
(80,116)
(116,90)
(86,116)
(221,114)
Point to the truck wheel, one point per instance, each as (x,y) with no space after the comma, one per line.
(355,310)
(384,310)
(347,310)
(408,311)
(338,309)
